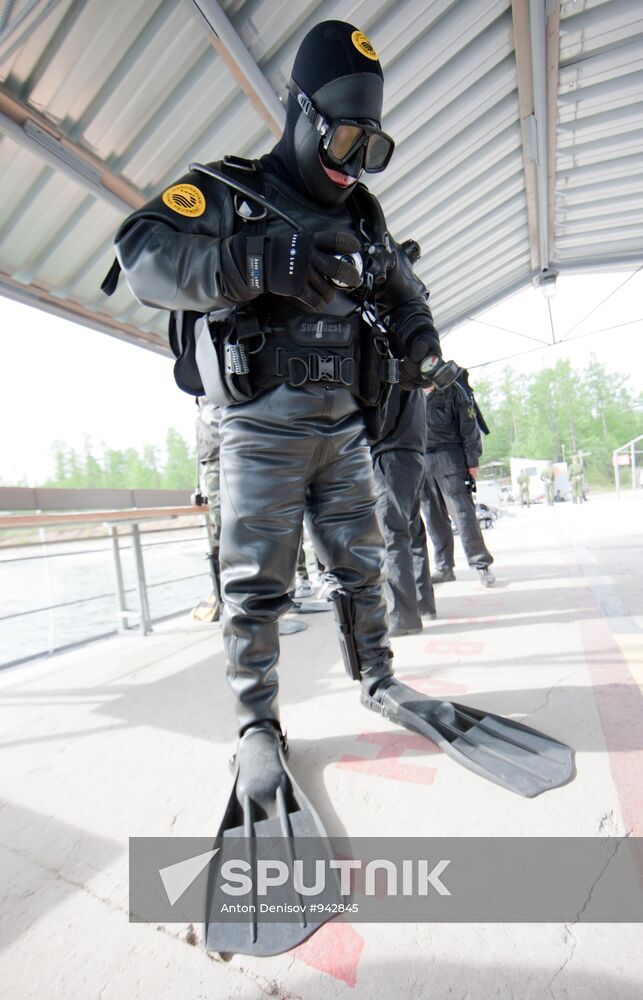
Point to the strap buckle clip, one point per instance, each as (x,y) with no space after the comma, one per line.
(305,103)
(236,360)
(323,369)
(390,371)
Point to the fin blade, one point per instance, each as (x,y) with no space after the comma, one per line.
(505,752)
(294,818)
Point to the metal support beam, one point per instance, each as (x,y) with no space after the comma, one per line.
(536,26)
(37,134)
(553,62)
(522,49)
(235,55)
(41,298)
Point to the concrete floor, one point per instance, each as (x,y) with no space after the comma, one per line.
(131,737)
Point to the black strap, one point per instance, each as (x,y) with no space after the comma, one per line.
(367,214)
(110,281)
(250,174)
(309,110)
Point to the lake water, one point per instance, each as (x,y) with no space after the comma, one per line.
(83,570)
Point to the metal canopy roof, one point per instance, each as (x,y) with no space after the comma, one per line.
(519,129)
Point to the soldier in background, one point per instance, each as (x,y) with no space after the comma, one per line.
(398,467)
(454,446)
(547,477)
(576,478)
(421,564)
(523,486)
(208,443)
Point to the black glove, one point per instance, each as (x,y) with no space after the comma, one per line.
(420,349)
(423,367)
(299,266)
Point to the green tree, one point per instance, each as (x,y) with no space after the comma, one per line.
(128,469)
(180,463)
(93,475)
(552,413)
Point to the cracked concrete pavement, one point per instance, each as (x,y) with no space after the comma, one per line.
(131,737)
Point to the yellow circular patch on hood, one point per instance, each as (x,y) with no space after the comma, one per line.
(362,44)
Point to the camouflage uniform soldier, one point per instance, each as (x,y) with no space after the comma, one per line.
(211,488)
(576,479)
(547,476)
(523,485)
(208,443)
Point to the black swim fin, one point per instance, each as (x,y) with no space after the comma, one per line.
(267,815)
(506,752)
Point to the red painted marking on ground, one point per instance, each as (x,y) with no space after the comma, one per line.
(388,763)
(619,702)
(335,949)
(433,685)
(457,647)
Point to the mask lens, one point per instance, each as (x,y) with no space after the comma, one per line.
(343,140)
(378,152)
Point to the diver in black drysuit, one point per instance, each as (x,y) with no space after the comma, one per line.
(302,365)
(290,440)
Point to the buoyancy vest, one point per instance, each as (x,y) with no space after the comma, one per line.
(236,354)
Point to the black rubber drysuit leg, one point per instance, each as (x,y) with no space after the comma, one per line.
(274,449)
(345,531)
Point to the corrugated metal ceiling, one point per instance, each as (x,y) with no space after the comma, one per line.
(102,105)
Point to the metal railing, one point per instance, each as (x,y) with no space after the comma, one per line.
(121,517)
(626,456)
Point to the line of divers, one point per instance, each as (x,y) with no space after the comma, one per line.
(293,308)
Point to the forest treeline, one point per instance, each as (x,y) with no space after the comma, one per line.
(547,414)
(556,411)
(171,467)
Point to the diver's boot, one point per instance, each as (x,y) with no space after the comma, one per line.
(262,781)
(506,752)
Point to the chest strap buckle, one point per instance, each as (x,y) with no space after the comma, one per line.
(315,368)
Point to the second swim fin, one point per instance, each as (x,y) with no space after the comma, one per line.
(506,752)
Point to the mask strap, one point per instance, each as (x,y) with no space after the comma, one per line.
(315,118)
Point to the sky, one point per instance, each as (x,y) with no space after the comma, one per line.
(63,382)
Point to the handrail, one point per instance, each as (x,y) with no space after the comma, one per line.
(628,444)
(28,498)
(132,514)
(112,521)
(633,452)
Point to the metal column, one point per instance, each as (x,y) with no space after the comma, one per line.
(145,622)
(118,577)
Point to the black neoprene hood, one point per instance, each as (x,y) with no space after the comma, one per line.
(337,67)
